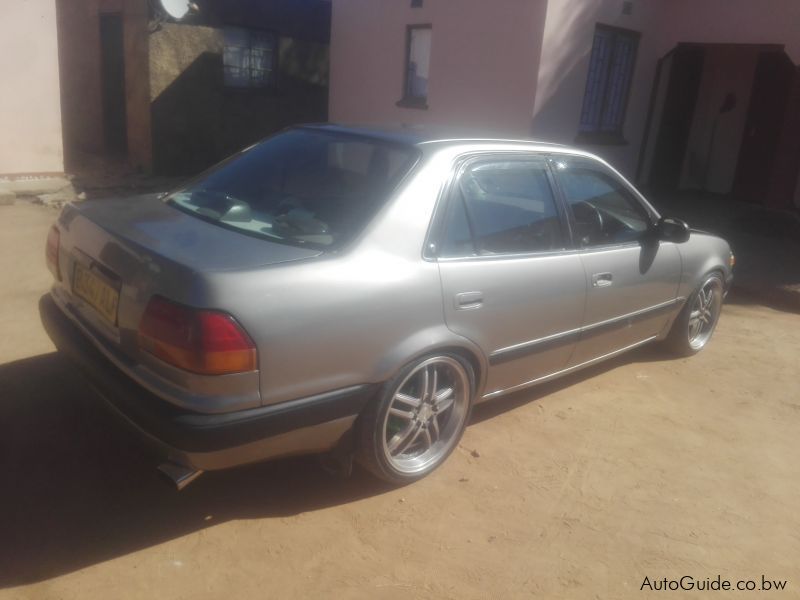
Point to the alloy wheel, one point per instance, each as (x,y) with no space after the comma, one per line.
(704,313)
(426,414)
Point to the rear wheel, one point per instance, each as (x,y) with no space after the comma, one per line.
(694,326)
(417,420)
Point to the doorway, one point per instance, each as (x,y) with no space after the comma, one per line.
(756,174)
(725,119)
(678,80)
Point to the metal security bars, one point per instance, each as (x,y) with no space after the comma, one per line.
(608,84)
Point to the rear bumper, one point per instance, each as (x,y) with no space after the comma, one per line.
(208,441)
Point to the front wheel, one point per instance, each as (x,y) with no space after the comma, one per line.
(694,326)
(417,420)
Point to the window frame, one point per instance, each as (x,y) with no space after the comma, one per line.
(273,81)
(406,100)
(449,194)
(617,136)
(633,193)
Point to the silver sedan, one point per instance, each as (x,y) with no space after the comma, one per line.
(355,292)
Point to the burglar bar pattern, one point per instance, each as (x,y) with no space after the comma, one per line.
(609,81)
(249,58)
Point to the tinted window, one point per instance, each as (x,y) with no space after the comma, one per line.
(302,187)
(502,207)
(604,211)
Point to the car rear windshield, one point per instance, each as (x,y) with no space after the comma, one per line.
(302,187)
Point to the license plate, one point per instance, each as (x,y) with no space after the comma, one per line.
(103,297)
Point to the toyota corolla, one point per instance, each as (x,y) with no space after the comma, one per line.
(355,292)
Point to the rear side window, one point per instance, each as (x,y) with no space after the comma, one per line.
(502,207)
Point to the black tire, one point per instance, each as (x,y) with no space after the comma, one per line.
(679,340)
(372,429)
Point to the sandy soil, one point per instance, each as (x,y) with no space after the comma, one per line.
(641,467)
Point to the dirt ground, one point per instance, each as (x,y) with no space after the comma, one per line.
(641,467)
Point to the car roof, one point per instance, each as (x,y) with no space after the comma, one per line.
(414,135)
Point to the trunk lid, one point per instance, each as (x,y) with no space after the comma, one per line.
(116,254)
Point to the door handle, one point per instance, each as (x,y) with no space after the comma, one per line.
(468,300)
(602,279)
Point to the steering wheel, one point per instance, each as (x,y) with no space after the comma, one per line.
(590,222)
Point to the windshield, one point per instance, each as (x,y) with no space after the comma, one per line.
(302,187)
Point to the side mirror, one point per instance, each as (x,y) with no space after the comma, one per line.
(672,230)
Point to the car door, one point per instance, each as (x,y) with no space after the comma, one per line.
(510,281)
(631,277)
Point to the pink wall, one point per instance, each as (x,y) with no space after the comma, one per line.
(137,82)
(30,111)
(732,21)
(568,43)
(568,38)
(482,74)
(490,60)
(80,58)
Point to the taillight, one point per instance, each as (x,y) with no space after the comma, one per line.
(51,252)
(208,342)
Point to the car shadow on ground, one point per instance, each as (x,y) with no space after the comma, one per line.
(774,298)
(79,488)
(487,410)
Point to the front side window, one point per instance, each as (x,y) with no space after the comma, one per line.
(608,84)
(417,66)
(249,58)
(302,187)
(502,207)
(604,211)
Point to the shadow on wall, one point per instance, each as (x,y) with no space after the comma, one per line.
(83,492)
(564,70)
(197,121)
(563,57)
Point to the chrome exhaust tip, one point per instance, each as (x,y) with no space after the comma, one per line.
(180,475)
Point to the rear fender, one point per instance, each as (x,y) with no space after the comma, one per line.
(428,341)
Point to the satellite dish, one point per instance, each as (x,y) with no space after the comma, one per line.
(177,9)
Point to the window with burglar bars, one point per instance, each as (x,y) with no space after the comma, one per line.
(249,58)
(608,84)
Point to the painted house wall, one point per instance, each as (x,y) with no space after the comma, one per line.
(79,43)
(483,66)
(521,67)
(30,111)
(568,39)
(81,78)
(137,83)
(732,21)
